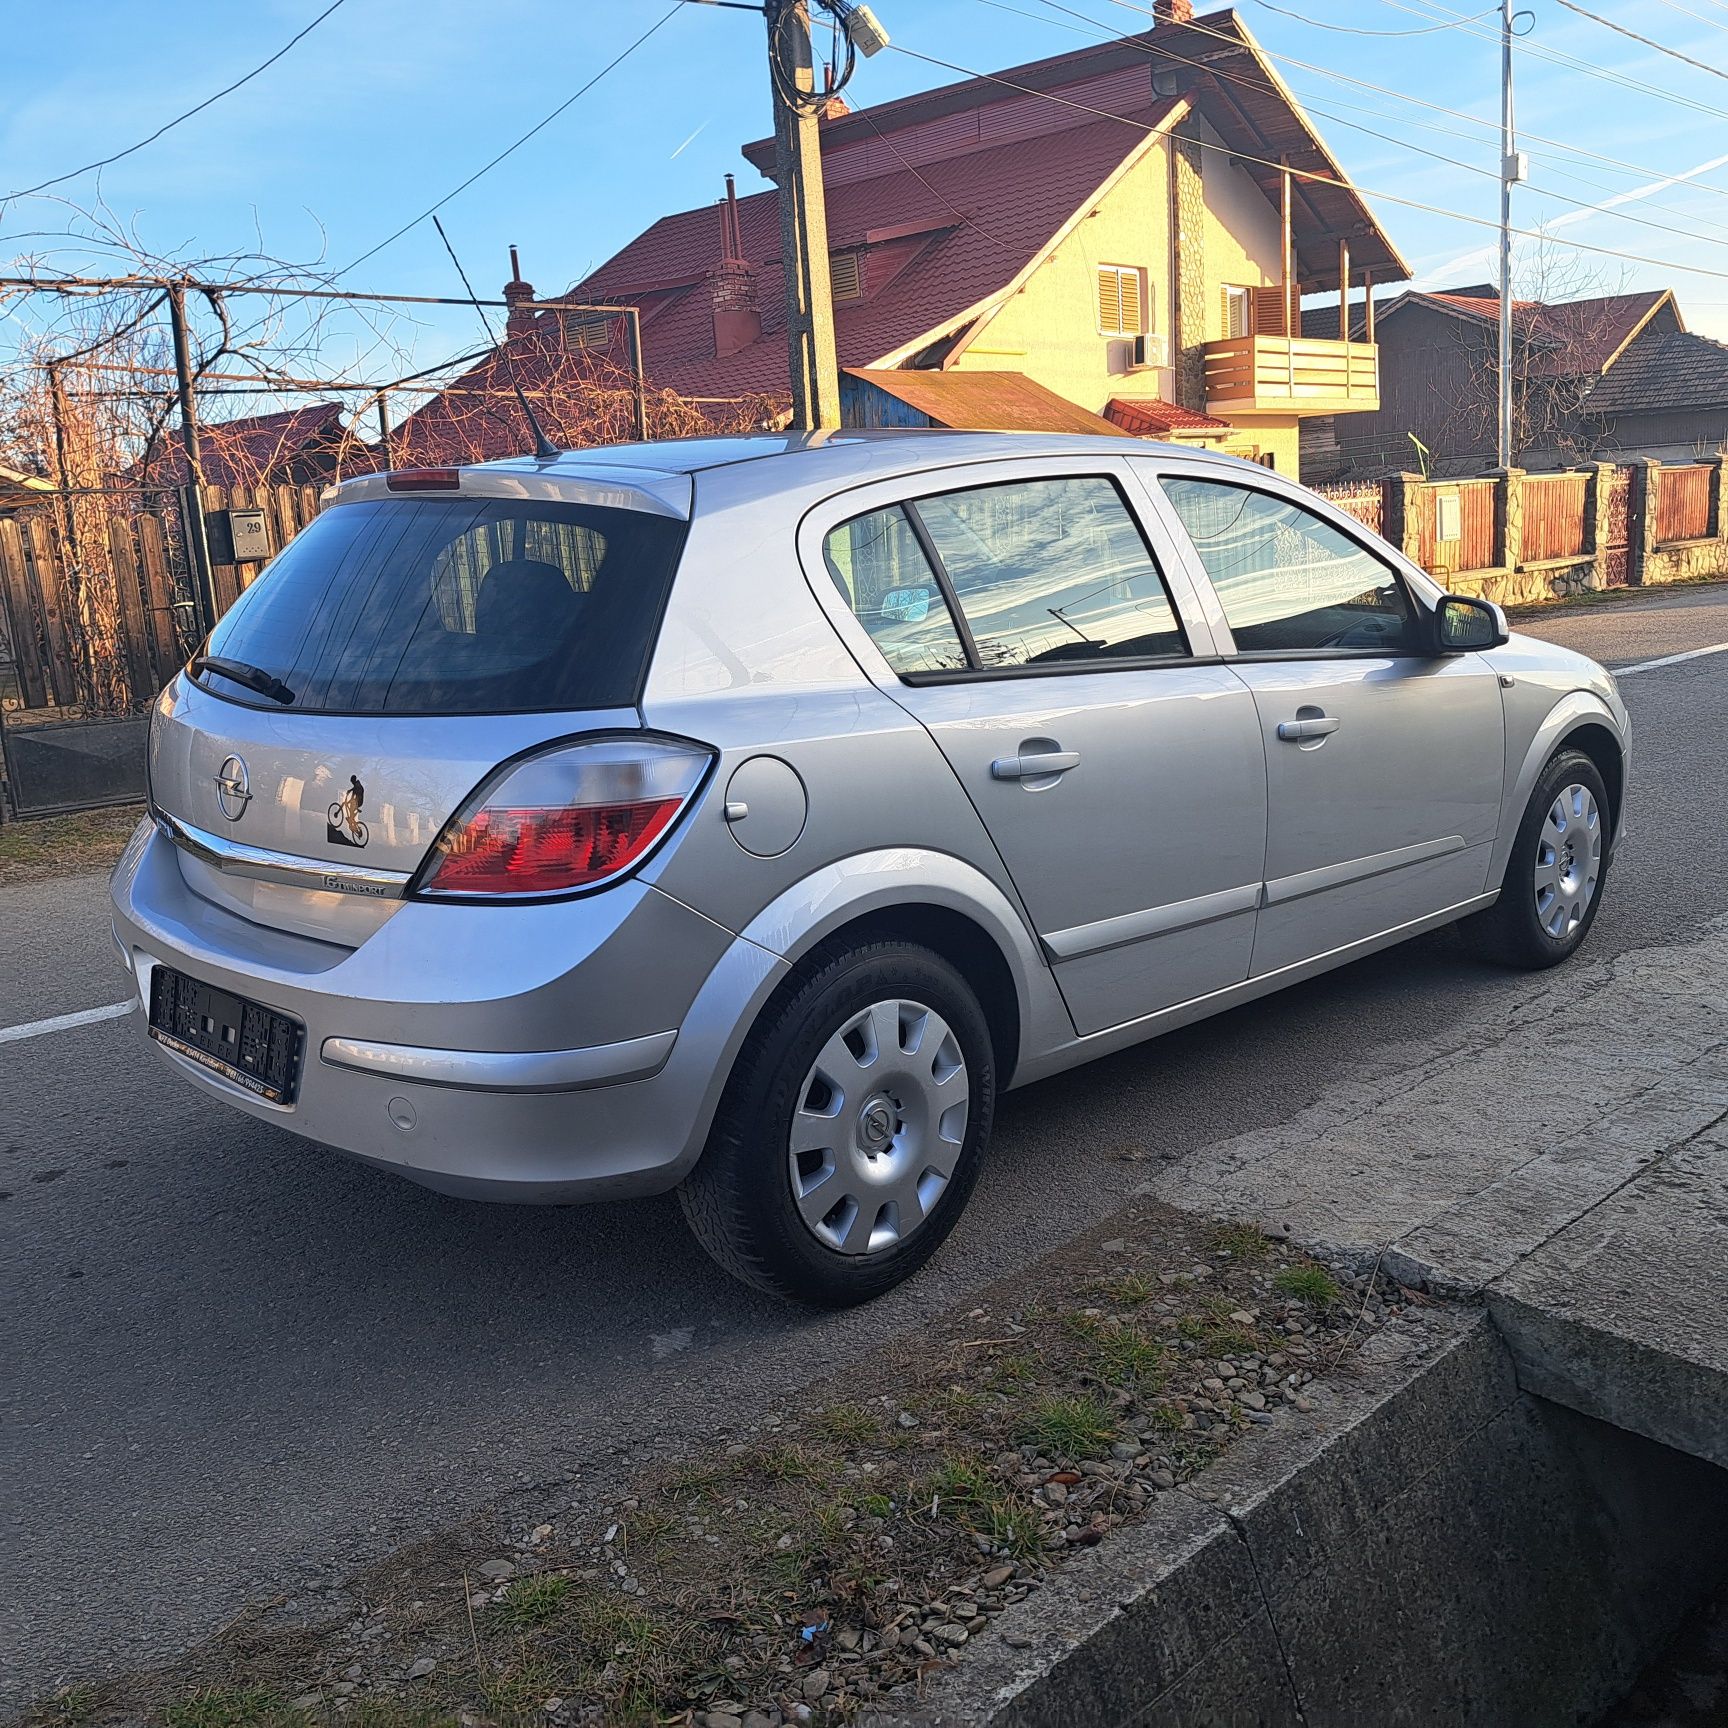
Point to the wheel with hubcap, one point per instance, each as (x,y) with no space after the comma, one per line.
(851,1132)
(1554,877)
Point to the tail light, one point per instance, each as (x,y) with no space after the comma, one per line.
(577,816)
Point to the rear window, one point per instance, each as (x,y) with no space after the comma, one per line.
(456,606)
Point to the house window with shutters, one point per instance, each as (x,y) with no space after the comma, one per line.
(1121,300)
(1237,308)
(587,329)
(846,275)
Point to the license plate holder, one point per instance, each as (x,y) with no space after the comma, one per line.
(247,1044)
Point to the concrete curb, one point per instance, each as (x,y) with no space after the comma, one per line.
(1432,1545)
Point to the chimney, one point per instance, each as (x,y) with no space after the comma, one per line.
(731,284)
(834,105)
(1173,11)
(519,298)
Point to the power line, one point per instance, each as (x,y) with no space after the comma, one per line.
(509,150)
(95,286)
(1307,175)
(1649,42)
(1555,163)
(1617,164)
(1357,126)
(1686,11)
(1356,29)
(1558,57)
(263,66)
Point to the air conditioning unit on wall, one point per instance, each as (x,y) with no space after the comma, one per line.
(1139,353)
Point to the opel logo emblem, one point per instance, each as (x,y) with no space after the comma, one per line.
(233,791)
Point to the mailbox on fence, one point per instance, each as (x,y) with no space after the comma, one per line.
(238,536)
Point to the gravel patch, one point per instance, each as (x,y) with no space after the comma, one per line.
(842,1548)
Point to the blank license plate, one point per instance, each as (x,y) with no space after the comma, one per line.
(252,1046)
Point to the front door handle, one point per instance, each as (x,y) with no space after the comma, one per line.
(1034,764)
(1318,726)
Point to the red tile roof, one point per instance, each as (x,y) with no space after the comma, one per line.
(985,401)
(1152,417)
(976,221)
(946,197)
(295,444)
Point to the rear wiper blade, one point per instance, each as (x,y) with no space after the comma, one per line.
(238,672)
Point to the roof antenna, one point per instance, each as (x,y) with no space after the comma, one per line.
(543,446)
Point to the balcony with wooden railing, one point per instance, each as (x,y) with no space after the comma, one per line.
(1274,374)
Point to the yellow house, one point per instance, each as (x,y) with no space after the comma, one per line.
(1128,229)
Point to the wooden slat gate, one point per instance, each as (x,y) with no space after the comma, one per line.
(144,626)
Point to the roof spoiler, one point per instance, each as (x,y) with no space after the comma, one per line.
(570,481)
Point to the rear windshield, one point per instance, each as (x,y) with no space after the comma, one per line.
(456,606)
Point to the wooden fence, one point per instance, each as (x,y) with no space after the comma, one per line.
(1528,537)
(1475,525)
(287,509)
(1683,504)
(103,635)
(1555,523)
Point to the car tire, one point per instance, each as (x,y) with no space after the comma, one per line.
(871,1080)
(1552,889)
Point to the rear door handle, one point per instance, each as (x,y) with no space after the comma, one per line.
(1294,731)
(1031,766)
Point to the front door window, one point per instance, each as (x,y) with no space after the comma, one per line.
(1289,582)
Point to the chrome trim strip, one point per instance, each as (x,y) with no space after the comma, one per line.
(1155,921)
(505,1070)
(264,865)
(1308,882)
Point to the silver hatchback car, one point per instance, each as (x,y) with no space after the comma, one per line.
(743,815)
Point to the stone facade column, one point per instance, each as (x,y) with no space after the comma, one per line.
(1401,501)
(1509,517)
(1188,291)
(1718,529)
(1597,532)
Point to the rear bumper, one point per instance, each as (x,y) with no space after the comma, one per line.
(415,1058)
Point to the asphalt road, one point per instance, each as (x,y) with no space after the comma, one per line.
(235,1366)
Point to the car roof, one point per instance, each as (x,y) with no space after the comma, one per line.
(850,453)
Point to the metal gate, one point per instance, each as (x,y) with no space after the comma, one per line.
(1616,562)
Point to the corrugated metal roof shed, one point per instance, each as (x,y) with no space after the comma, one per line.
(983,402)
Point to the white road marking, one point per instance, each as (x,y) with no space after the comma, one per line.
(64,1022)
(1671,659)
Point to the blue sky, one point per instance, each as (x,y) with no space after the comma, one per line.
(390,103)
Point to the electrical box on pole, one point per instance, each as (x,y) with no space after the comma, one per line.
(803,218)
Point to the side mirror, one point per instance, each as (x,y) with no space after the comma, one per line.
(1463,625)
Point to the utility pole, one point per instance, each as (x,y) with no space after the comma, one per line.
(57,404)
(638,382)
(1511,171)
(192,494)
(803,218)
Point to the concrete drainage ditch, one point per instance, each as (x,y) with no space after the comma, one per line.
(1436,1545)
